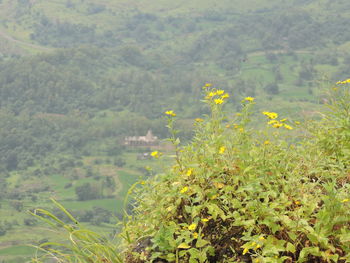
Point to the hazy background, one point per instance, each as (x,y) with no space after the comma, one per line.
(77,76)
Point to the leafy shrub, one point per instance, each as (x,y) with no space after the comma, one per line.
(238,194)
(88,191)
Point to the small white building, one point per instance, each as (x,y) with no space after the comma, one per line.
(148,140)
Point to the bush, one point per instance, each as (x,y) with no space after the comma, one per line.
(88,192)
(237,194)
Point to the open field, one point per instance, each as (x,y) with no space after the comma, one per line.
(14,244)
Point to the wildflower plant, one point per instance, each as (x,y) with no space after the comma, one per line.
(236,200)
(237,194)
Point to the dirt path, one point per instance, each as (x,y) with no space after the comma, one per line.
(12,39)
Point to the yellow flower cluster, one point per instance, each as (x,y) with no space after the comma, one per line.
(254,245)
(219,101)
(189,172)
(170,113)
(222,149)
(156,154)
(184,190)
(218,95)
(192,227)
(344,81)
(272,116)
(278,124)
(207,85)
(248,99)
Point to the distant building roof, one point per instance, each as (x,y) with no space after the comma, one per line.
(149,139)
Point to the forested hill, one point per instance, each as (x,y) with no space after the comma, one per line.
(80,59)
(77,76)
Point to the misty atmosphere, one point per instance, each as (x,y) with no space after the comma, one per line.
(174,131)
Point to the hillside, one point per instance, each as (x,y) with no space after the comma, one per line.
(77,76)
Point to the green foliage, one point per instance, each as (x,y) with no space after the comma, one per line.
(105,66)
(237,194)
(88,192)
(86,246)
(241,194)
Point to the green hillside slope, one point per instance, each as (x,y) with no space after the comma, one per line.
(77,76)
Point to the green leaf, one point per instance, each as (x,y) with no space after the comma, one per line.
(292,235)
(309,251)
(291,247)
(201,243)
(184,246)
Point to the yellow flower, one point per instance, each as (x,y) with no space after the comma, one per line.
(266,142)
(297,202)
(261,238)
(156,154)
(257,246)
(189,172)
(211,94)
(170,113)
(192,227)
(283,120)
(220,92)
(273,115)
(222,149)
(218,101)
(277,125)
(205,220)
(270,115)
(225,96)
(208,85)
(344,81)
(250,99)
(297,122)
(272,122)
(288,127)
(184,190)
(241,130)
(199,120)
(245,251)
(195,235)
(345,200)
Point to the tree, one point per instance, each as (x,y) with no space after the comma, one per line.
(272,89)
(87,192)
